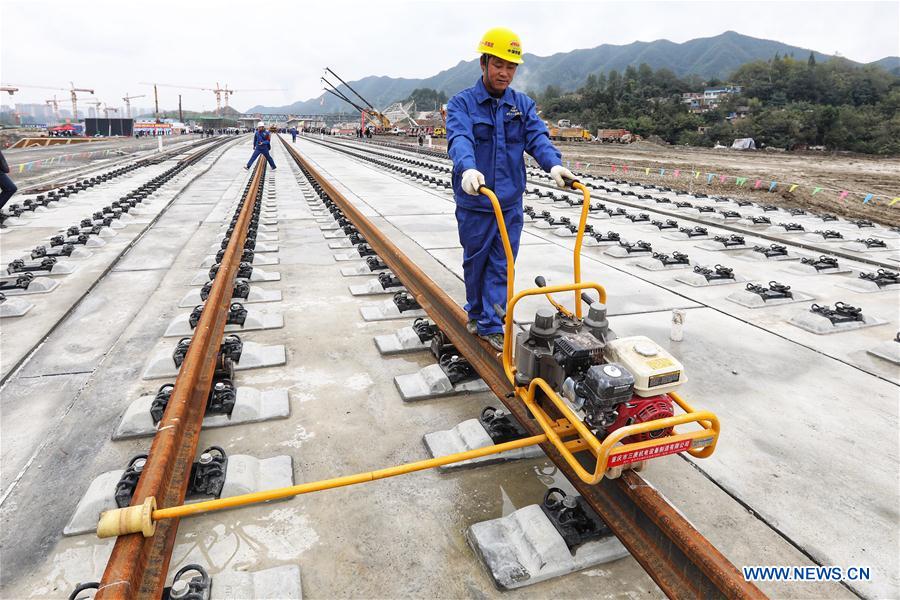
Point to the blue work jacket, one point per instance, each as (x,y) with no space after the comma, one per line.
(491,135)
(261,140)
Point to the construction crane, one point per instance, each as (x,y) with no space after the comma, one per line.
(220,92)
(75,98)
(13,88)
(226,92)
(380,119)
(53,102)
(96,102)
(128,100)
(107,109)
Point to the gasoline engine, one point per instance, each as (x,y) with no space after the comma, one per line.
(608,382)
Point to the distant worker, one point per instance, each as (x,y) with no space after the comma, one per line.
(294,134)
(262,143)
(489,126)
(7,187)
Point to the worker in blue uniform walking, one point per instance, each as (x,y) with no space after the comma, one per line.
(262,143)
(489,127)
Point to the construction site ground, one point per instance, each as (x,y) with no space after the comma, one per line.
(805,472)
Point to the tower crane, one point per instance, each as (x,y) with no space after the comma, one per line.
(128,100)
(96,102)
(220,92)
(226,92)
(108,109)
(13,88)
(53,102)
(75,98)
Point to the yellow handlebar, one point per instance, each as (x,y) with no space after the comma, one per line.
(507,247)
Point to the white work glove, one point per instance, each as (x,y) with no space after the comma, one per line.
(558,172)
(472,179)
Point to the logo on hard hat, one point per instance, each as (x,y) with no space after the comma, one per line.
(487,43)
(514,43)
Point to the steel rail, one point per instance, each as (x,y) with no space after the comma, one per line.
(682,562)
(138,565)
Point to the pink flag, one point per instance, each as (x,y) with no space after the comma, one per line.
(677,172)
(721,179)
(625,168)
(843,195)
(614,168)
(757,184)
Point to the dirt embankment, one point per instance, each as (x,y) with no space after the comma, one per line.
(856,174)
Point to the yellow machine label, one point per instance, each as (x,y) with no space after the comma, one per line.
(660,363)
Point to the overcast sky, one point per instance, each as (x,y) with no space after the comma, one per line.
(113,46)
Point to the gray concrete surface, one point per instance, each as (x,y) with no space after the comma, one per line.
(817,476)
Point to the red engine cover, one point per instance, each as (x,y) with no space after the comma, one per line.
(641,410)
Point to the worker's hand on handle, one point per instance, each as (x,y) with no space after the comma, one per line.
(562,176)
(472,179)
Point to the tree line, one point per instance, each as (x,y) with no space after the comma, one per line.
(790,103)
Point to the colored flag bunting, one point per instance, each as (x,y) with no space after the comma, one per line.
(623,168)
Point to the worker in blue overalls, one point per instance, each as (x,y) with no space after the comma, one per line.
(489,127)
(262,143)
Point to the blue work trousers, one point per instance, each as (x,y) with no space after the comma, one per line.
(257,152)
(484,263)
(7,188)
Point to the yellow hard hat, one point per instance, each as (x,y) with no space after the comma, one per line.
(502,43)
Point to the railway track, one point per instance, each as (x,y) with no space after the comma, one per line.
(139,565)
(679,560)
(92,228)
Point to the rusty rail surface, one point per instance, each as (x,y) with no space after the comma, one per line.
(682,562)
(138,566)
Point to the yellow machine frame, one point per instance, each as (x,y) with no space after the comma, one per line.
(699,443)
